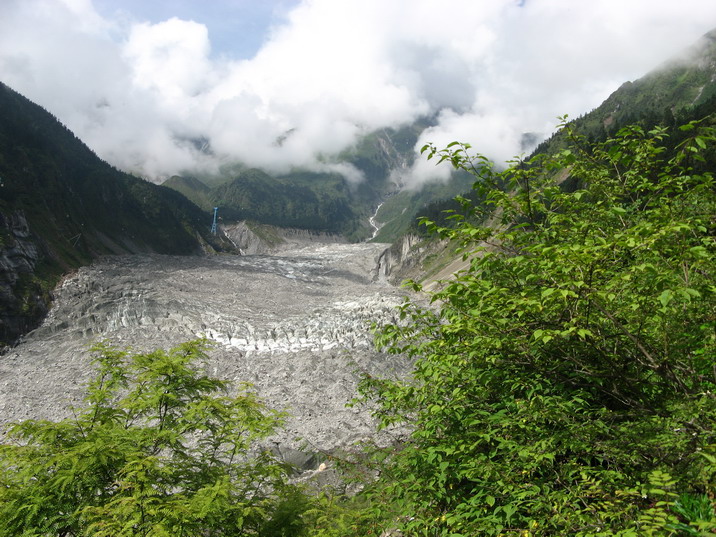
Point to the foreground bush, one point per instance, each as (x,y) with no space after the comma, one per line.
(160,449)
(565,385)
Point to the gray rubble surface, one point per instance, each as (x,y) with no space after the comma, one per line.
(294,324)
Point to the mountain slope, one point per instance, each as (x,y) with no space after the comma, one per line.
(319,204)
(191,188)
(681,90)
(61,206)
(325,201)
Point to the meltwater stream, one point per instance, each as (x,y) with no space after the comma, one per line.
(296,325)
(374,222)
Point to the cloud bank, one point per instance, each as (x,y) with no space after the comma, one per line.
(153,100)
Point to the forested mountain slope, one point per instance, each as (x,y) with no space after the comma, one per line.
(326,201)
(681,90)
(564,379)
(61,206)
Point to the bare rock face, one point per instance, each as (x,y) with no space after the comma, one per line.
(252,239)
(296,325)
(19,254)
(405,259)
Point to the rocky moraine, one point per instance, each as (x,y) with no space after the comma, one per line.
(295,324)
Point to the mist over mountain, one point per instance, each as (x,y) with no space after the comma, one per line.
(321,201)
(546,369)
(61,206)
(679,90)
(155,98)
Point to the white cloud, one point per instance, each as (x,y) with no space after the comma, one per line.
(139,93)
(170,57)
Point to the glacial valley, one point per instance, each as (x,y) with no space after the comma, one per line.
(295,324)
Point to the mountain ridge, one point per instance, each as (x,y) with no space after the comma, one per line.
(330,201)
(61,206)
(680,90)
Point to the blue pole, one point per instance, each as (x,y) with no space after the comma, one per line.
(213,225)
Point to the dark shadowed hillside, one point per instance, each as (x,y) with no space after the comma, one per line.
(61,206)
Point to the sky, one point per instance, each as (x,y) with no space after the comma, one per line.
(164,87)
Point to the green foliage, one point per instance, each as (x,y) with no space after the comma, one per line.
(342,516)
(564,383)
(303,200)
(679,91)
(160,448)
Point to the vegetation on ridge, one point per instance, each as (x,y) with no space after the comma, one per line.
(681,90)
(564,383)
(325,201)
(61,206)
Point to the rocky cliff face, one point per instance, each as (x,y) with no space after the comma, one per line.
(22,300)
(252,239)
(404,258)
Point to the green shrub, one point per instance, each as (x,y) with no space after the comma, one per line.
(160,448)
(564,383)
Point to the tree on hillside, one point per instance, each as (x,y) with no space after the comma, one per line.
(565,382)
(160,449)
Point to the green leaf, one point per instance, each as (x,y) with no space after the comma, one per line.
(665,297)
(550,411)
